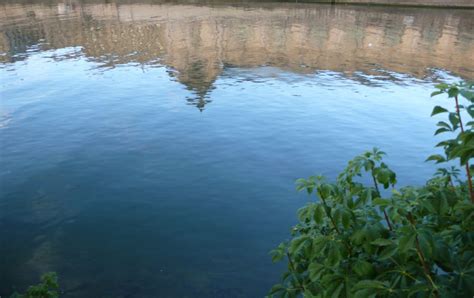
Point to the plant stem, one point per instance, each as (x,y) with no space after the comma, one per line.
(293,270)
(468,173)
(328,214)
(421,257)
(384,212)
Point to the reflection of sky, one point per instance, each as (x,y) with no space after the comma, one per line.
(106,168)
(352,112)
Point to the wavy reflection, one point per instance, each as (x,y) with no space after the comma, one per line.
(197,42)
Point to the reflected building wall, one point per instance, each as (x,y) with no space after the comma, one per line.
(198,41)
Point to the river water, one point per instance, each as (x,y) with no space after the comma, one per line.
(149,149)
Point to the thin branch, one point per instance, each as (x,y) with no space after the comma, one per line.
(422,259)
(468,172)
(293,270)
(384,212)
(326,207)
(328,214)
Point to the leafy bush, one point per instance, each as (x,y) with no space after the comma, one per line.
(48,288)
(355,240)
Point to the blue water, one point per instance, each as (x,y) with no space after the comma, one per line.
(122,182)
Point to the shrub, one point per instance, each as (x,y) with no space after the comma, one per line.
(48,288)
(356,240)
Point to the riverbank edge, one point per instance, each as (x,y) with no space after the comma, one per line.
(427,4)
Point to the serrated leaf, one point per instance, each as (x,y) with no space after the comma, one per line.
(438,110)
(388,252)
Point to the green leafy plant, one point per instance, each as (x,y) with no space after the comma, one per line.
(462,146)
(48,288)
(375,240)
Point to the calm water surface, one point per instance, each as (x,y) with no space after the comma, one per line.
(150,149)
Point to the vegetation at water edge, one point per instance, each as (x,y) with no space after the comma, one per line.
(377,240)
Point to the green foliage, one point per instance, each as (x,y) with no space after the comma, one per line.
(355,240)
(461,146)
(48,288)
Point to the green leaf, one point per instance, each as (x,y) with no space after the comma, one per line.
(381,242)
(426,242)
(388,252)
(345,219)
(308,294)
(325,190)
(315,270)
(436,157)
(454,119)
(441,130)
(465,155)
(278,288)
(363,268)
(417,289)
(407,242)
(384,175)
(444,124)
(436,93)
(318,214)
(470,110)
(366,293)
(337,292)
(297,244)
(442,86)
(334,256)
(278,253)
(381,202)
(370,284)
(453,91)
(438,110)
(469,95)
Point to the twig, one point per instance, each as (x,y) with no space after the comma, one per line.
(421,257)
(384,212)
(468,172)
(293,270)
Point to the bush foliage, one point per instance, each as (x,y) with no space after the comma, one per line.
(47,288)
(377,240)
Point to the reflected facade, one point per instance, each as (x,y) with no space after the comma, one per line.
(197,42)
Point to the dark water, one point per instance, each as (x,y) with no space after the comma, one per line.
(149,149)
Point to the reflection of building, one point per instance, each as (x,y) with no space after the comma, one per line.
(197,41)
